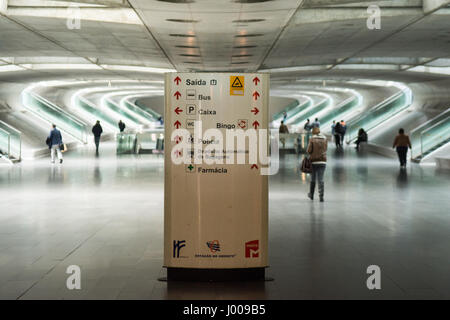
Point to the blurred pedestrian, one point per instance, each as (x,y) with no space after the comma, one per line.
(317,149)
(54,142)
(97,130)
(401,143)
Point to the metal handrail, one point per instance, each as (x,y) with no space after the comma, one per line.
(374,109)
(56,108)
(377,106)
(9,141)
(325,101)
(428,129)
(17,132)
(50,105)
(429,121)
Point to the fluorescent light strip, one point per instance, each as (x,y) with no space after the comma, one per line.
(426,69)
(11,68)
(136,68)
(299,68)
(57,66)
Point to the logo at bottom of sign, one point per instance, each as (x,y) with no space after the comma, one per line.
(177,246)
(252,249)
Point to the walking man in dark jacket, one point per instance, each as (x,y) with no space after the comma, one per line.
(54,143)
(121,126)
(97,131)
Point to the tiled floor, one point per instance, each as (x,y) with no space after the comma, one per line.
(106,215)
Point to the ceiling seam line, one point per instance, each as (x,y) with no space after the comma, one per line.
(279,35)
(55,43)
(387,37)
(151,34)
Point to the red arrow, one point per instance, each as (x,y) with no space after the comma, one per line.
(178,110)
(255,124)
(177,124)
(256,80)
(255,95)
(254,166)
(177,80)
(255,110)
(177,95)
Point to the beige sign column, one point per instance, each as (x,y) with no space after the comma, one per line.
(216,215)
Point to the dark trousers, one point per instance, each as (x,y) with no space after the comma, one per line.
(97,142)
(317,173)
(337,140)
(402,152)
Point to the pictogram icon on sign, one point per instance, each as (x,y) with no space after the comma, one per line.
(254,166)
(191,109)
(177,124)
(256,80)
(190,124)
(242,123)
(236,85)
(255,111)
(177,80)
(178,153)
(190,168)
(190,94)
(178,139)
(256,95)
(177,95)
(255,124)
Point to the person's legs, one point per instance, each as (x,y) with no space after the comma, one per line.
(403,153)
(399,155)
(52,154)
(337,140)
(312,184)
(97,143)
(58,151)
(320,174)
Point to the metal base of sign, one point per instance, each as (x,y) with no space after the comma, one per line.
(216,275)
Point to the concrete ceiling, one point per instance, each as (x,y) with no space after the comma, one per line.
(224,35)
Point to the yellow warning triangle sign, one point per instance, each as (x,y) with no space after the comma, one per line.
(237,83)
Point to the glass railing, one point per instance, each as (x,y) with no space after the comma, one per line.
(92,110)
(154,114)
(298,111)
(311,111)
(289,109)
(380,113)
(125,143)
(430,135)
(144,114)
(52,113)
(10,141)
(336,114)
(150,140)
(122,113)
(296,141)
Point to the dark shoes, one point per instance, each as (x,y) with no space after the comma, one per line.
(311,196)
